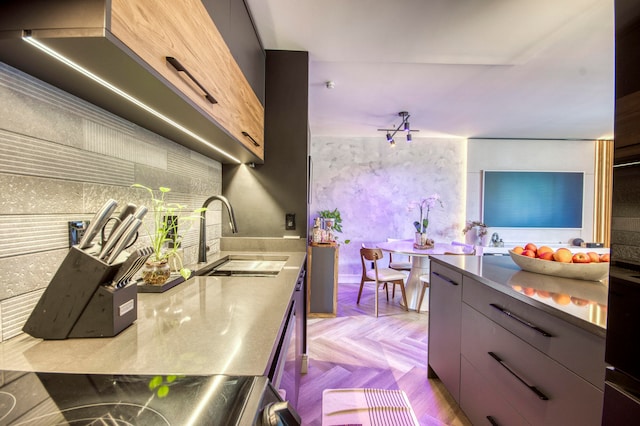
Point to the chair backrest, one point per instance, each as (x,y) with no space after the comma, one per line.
(402,257)
(367,254)
(373,254)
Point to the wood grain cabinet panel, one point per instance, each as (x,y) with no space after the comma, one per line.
(184,30)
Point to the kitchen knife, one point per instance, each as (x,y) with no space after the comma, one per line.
(115,236)
(123,241)
(130,266)
(140,212)
(99,220)
(129,209)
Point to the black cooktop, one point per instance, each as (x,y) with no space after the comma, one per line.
(28,398)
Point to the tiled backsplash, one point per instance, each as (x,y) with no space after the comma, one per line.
(62,158)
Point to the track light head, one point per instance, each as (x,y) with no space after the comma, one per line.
(404,126)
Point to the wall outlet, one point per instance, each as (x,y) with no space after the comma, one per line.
(290,221)
(77,229)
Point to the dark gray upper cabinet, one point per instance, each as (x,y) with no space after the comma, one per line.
(627,81)
(233,20)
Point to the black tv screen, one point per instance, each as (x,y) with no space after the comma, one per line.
(533,199)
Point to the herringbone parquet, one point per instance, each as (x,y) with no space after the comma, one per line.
(358,350)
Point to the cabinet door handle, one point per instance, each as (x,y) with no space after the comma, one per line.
(178,66)
(520,320)
(492,421)
(450,281)
(531,387)
(247,135)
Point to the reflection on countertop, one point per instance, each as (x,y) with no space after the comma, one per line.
(205,325)
(583,303)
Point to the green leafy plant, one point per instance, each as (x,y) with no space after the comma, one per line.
(337,220)
(164,235)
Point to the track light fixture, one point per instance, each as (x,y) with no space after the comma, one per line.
(390,139)
(404,125)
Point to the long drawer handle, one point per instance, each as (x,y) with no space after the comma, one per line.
(520,320)
(531,387)
(247,135)
(450,281)
(178,66)
(492,421)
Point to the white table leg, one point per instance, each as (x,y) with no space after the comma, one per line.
(413,286)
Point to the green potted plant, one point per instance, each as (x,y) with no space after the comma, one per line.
(164,236)
(333,220)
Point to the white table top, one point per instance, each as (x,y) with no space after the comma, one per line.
(406,247)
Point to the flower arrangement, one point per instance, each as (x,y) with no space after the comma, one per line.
(482,228)
(164,236)
(425,205)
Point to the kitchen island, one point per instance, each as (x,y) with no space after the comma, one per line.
(205,325)
(515,347)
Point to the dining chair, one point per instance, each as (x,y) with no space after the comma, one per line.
(398,265)
(379,276)
(467,250)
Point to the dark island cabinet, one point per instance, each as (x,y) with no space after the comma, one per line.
(507,362)
(445,304)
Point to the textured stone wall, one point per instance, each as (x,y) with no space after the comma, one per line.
(372,184)
(62,158)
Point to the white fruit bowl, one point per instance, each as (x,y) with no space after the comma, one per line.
(578,271)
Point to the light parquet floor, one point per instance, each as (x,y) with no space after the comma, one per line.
(357,350)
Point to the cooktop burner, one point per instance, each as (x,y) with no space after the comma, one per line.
(101,399)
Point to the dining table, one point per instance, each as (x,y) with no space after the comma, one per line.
(420,264)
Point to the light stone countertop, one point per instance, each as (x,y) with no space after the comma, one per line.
(205,325)
(581,303)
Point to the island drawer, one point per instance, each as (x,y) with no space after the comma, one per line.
(575,348)
(446,274)
(540,389)
(482,404)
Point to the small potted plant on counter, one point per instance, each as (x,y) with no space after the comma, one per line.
(165,238)
(332,224)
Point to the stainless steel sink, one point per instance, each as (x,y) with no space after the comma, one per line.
(247,266)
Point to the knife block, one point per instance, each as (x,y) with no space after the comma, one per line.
(76,304)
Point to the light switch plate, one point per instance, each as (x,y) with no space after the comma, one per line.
(290,221)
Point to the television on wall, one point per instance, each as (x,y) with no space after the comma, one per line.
(523,199)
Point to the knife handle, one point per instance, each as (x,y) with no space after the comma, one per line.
(115,236)
(140,212)
(123,241)
(129,209)
(99,220)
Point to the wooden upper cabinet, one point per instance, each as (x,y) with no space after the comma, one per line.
(184,30)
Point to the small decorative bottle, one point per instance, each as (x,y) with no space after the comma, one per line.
(316,235)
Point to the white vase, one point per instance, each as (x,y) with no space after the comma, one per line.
(473,237)
(422,240)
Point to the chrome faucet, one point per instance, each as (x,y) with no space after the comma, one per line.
(202,248)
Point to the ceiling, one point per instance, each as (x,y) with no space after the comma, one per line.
(539,69)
